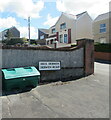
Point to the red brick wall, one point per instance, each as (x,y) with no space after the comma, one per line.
(102,56)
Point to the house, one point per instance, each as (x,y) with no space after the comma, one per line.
(101,28)
(42,35)
(14,31)
(68,29)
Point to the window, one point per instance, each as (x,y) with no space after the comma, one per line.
(62,26)
(61,38)
(102,28)
(42,37)
(53,30)
(65,38)
(102,40)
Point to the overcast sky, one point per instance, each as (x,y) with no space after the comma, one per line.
(44,13)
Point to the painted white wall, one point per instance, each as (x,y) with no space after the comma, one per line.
(96,30)
(84,27)
(50,31)
(70,24)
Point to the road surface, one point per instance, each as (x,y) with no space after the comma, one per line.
(83,98)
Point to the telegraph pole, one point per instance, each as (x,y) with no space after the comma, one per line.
(29,28)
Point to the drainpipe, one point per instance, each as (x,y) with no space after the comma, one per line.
(29,28)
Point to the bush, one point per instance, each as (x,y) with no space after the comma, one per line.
(14,41)
(4,41)
(33,42)
(102,47)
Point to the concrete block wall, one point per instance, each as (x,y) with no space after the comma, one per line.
(72,60)
(21,58)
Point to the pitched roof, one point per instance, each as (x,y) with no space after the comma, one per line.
(80,14)
(10,28)
(52,26)
(44,30)
(102,17)
(70,16)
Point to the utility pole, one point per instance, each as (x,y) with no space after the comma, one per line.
(29,28)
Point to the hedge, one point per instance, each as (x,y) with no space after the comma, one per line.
(103,47)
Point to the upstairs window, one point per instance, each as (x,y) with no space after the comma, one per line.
(63,25)
(102,28)
(53,30)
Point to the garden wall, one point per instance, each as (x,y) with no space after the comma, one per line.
(72,59)
(102,56)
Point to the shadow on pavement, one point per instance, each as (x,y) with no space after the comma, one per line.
(17,91)
(103,61)
(4,93)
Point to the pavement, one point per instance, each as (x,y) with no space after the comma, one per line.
(87,97)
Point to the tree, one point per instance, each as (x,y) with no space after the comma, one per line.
(8,34)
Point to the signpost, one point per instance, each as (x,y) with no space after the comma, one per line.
(49,66)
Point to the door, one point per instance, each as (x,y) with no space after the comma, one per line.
(65,38)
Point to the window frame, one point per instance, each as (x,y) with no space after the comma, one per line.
(102,28)
(53,30)
(63,26)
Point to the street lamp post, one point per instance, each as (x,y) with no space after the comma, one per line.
(28,20)
(29,28)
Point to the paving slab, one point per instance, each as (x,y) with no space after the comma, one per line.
(87,97)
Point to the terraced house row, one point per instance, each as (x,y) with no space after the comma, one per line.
(70,27)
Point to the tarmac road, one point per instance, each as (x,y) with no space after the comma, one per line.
(84,98)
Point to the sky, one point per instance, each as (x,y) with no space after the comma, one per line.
(44,13)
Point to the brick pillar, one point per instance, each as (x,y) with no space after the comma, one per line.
(88,55)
